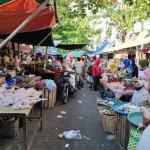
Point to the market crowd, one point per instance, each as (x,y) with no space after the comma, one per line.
(91,70)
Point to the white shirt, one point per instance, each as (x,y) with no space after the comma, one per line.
(140,96)
(79,67)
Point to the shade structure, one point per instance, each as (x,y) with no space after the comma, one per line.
(2,2)
(33,38)
(98,51)
(76,54)
(70,46)
(13,13)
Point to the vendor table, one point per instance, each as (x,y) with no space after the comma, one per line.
(24,114)
(117,91)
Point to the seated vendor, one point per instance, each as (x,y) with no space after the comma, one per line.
(17,63)
(140,93)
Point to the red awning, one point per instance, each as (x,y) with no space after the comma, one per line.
(13,13)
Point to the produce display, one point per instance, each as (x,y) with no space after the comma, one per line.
(29,81)
(107,111)
(104,102)
(129,107)
(18,99)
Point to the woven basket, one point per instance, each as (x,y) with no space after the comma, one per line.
(101,107)
(108,123)
(9,129)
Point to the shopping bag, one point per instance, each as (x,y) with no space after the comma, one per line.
(134,138)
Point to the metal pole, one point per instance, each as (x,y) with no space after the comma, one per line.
(23,24)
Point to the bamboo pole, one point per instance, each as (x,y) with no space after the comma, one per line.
(34,50)
(23,24)
(41,43)
(45,58)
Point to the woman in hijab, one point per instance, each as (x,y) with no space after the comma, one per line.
(134,68)
(126,70)
(113,68)
(127,66)
(140,94)
(145,74)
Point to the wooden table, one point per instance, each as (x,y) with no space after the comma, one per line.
(24,114)
(118,92)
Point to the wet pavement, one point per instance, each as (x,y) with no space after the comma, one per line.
(81,114)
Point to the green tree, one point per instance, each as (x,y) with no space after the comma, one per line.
(123,15)
(73,29)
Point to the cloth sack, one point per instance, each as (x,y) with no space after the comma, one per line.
(134,138)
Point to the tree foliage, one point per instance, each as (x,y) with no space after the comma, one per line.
(73,29)
(76,16)
(122,15)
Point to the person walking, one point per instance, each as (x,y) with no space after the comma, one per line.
(134,68)
(79,68)
(96,73)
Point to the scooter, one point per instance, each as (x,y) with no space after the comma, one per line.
(67,89)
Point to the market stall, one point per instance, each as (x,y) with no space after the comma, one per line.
(118,88)
(120,117)
(14,104)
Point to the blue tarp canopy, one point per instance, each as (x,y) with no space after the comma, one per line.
(103,47)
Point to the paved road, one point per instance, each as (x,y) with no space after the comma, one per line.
(89,125)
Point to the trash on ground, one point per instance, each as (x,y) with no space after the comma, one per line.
(80,118)
(59,116)
(61,135)
(111,137)
(79,101)
(103,145)
(86,137)
(67,145)
(63,112)
(83,94)
(72,134)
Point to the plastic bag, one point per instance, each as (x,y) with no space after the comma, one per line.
(72,134)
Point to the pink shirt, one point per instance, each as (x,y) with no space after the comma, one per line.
(147,77)
(16,62)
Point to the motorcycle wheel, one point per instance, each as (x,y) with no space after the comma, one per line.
(71,90)
(78,84)
(65,93)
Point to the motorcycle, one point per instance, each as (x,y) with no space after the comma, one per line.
(64,86)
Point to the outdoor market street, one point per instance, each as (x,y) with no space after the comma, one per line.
(89,125)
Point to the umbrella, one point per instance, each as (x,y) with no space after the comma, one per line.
(74,54)
(39,51)
(49,52)
(81,53)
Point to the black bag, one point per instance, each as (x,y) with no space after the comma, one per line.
(89,71)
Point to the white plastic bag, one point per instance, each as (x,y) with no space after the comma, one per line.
(72,134)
